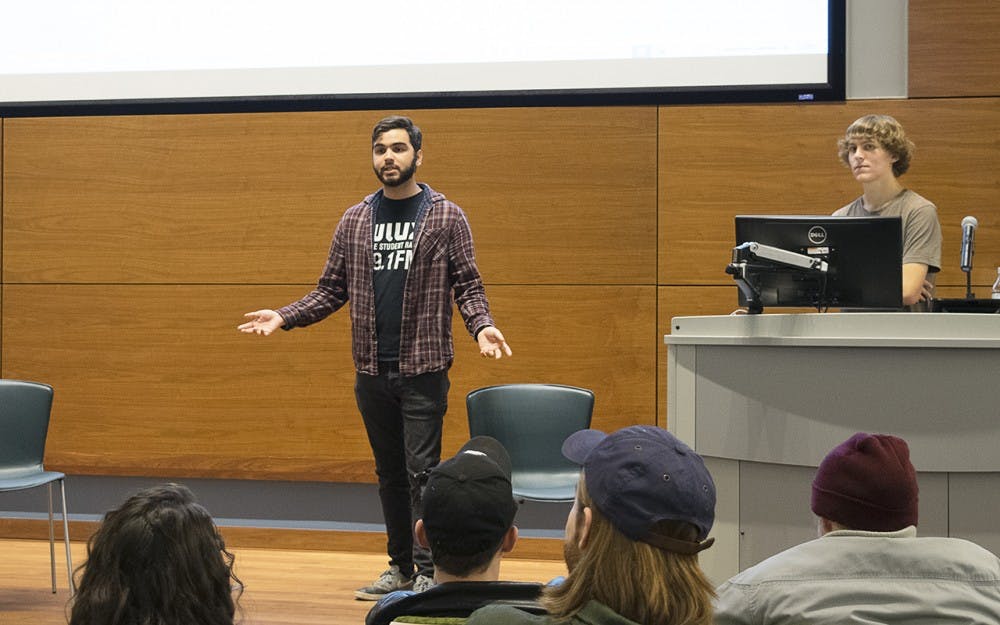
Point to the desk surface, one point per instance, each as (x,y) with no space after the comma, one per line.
(923,330)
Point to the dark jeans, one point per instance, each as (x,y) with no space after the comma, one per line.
(403,417)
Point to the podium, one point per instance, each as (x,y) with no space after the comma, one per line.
(764,397)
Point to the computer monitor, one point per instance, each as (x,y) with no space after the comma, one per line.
(818,261)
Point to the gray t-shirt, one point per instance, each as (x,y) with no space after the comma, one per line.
(921,229)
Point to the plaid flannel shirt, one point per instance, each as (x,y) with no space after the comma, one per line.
(443,263)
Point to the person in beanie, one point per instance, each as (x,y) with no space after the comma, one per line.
(644,507)
(868,565)
(467,524)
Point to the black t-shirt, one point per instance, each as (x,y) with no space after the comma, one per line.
(392,251)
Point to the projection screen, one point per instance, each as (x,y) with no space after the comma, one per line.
(256,54)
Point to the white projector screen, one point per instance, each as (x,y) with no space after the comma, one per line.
(57,53)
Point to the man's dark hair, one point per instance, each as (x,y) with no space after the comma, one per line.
(398,121)
(460,564)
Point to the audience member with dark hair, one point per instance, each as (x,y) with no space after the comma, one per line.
(643,511)
(868,566)
(467,524)
(158,559)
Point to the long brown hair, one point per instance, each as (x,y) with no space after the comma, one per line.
(638,581)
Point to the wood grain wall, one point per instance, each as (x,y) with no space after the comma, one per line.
(953,48)
(131,246)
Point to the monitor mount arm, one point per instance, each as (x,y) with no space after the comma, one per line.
(750,259)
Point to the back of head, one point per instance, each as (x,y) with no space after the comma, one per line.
(867,483)
(468,507)
(158,559)
(652,505)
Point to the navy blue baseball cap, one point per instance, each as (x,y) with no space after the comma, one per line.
(641,475)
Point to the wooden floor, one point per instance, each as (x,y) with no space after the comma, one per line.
(283,587)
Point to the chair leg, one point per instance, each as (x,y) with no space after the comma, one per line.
(69,555)
(52,542)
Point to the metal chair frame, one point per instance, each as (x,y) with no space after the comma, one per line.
(21,465)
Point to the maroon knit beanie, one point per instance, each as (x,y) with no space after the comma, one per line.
(867,483)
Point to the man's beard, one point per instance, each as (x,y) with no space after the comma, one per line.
(404,176)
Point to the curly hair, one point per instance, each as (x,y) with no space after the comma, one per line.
(884,130)
(158,559)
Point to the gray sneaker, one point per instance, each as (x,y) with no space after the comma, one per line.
(422,583)
(390,579)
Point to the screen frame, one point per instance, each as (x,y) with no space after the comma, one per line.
(832,90)
(868,277)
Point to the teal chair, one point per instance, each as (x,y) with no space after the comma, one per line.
(532,421)
(24,424)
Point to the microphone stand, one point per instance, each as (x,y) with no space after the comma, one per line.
(969,225)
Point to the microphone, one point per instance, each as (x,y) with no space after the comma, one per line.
(969,225)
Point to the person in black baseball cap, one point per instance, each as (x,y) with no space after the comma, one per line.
(468,514)
(644,507)
(467,522)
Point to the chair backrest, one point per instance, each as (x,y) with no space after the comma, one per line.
(453,602)
(532,421)
(24,424)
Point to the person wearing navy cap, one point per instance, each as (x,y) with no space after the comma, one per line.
(643,511)
(868,566)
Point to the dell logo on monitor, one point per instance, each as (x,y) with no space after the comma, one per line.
(817,235)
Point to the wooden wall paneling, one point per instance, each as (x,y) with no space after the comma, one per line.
(180,198)
(717,162)
(134,244)
(254,198)
(555,195)
(579,221)
(598,337)
(953,48)
(155,379)
(957,166)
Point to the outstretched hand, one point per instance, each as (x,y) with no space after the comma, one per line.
(262,322)
(492,344)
